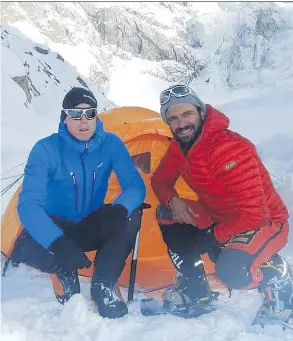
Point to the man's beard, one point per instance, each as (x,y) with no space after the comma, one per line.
(187,142)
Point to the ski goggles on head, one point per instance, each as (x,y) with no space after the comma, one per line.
(76,114)
(176,91)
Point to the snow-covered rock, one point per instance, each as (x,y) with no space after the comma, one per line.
(34,80)
(227,45)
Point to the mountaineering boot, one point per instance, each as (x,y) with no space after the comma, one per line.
(277,288)
(65,285)
(189,297)
(110,304)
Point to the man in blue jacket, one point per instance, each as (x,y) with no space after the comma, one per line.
(61,205)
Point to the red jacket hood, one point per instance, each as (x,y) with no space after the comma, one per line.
(214,122)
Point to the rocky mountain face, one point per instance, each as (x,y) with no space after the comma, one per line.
(228,44)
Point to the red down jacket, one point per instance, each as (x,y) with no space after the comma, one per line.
(232,184)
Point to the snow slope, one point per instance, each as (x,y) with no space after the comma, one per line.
(31,313)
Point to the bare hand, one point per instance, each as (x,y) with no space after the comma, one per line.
(182,213)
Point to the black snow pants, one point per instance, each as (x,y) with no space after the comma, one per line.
(101,230)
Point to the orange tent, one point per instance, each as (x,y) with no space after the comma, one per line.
(147,138)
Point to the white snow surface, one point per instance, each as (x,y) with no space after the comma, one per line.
(31,313)
(259,105)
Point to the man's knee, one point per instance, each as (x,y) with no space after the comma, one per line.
(233,268)
(164,215)
(27,250)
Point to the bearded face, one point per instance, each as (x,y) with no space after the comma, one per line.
(186,123)
(187,135)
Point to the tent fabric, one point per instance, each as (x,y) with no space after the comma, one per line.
(147,138)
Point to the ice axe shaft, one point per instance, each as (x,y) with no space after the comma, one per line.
(133,266)
(133,269)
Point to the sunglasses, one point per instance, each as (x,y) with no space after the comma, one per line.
(176,91)
(76,114)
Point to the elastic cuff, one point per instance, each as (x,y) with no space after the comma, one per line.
(218,233)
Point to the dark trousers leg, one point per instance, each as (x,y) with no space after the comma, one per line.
(27,250)
(240,263)
(118,238)
(181,241)
(111,235)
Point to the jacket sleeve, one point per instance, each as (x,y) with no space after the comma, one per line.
(33,196)
(236,164)
(165,177)
(132,185)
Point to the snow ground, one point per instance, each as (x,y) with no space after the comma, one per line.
(31,313)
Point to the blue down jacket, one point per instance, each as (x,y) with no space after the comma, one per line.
(69,178)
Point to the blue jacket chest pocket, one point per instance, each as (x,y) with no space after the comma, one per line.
(62,190)
(99,180)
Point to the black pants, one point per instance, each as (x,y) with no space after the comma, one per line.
(233,266)
(112,236)
(181,240)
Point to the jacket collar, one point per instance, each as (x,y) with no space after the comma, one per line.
(80,146)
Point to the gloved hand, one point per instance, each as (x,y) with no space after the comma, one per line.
(68,256)
(206,239)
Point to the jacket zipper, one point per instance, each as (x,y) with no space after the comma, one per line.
(75,189)
(84,176)
(93,186)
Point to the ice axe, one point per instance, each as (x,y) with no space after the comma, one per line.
(133,266)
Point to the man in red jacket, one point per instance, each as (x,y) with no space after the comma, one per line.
(244,222)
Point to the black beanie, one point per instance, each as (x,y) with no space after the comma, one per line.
(76,96)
